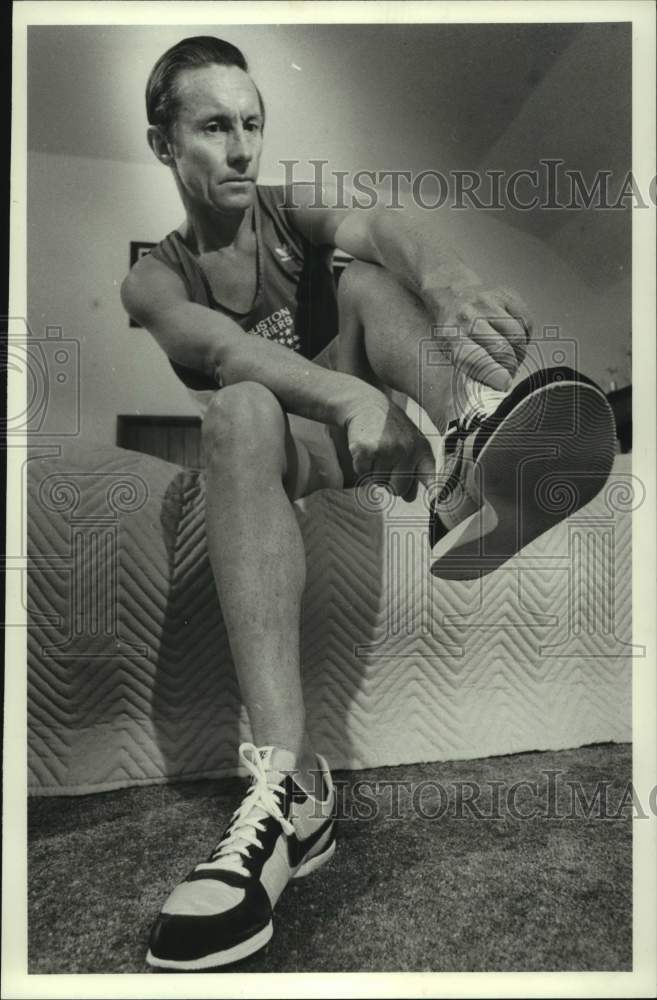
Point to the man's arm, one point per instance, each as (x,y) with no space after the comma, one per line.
(212,343)
(413,245)
(381,437)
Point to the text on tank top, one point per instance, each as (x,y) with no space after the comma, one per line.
(295,303)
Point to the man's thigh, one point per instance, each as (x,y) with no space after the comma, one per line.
(392,325)
(373,299)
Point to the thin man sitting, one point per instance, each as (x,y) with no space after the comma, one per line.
(294,390)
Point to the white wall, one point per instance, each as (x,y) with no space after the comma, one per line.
(580,112)
(595,321)
(365,96)
(82,214)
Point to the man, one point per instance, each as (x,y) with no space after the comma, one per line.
(241,299)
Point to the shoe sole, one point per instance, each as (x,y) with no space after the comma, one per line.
(245,948)
(315,862)
(225,957)
(551,455)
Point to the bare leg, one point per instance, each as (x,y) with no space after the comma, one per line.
(254,470)
(385,338)
(258,559)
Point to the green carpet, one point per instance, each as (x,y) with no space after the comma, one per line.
(445,891)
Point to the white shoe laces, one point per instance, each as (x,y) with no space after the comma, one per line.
(481,401)
(261,800)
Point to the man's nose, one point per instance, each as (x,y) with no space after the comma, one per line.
(239,148)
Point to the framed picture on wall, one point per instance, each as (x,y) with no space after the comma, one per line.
(138,249)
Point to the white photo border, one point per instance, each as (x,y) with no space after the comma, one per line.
(642,981)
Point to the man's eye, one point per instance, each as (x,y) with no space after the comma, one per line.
(212,128)
(252,126)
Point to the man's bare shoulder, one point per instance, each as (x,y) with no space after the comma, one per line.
(149,286)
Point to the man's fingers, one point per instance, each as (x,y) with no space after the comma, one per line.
(473,360)
(425,470)
(513,331)
(381,472)
(474,324)
(518,309)
(405,476)
(363,461)
(402,481)
(411,493)
(485,333)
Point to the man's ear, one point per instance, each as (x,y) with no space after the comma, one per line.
(160,145)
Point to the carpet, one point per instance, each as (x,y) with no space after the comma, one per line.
(436,870)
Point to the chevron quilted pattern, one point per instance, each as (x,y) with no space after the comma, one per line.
(130,675)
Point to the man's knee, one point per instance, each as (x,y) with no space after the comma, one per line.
(357,277)
(247,414)
(364,285)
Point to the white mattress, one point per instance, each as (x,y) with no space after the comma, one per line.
(398,666)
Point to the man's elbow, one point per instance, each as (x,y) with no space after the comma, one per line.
(384,225)
(225,364)
(130,298)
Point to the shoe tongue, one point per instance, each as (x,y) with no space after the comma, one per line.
(479,399)
(277,763)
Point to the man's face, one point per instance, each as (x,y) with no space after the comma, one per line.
(217,137)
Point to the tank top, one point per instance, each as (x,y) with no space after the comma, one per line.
(295,303)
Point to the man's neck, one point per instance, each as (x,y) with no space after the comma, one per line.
(207,231)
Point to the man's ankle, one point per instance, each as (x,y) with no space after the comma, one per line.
(307,771)
(311,780)
(308,774)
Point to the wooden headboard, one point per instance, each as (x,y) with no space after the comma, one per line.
(175,439)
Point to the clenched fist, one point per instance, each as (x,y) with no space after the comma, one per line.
(386,446)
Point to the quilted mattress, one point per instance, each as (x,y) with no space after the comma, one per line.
(130,678)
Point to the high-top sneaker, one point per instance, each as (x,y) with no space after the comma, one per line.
(545,451)
(222,911)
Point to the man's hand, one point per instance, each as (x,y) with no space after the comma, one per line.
(485,332)
(387,447)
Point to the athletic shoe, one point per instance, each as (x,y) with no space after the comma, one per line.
(222,911)
(545,451)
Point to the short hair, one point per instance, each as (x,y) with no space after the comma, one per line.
(190,53)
